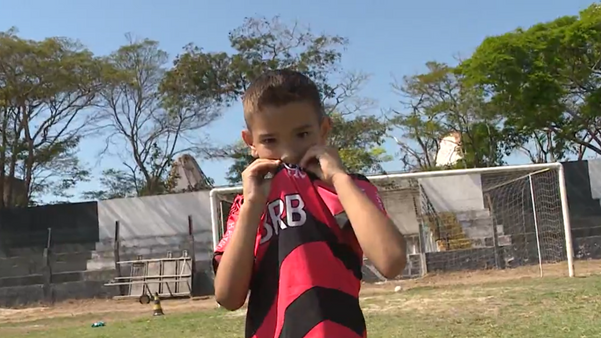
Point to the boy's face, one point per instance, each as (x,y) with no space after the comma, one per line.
(285,132)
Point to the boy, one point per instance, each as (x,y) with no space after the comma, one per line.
(304,281)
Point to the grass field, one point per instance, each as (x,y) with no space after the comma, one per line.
(479,304)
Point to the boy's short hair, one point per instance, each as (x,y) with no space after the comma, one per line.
(280,87)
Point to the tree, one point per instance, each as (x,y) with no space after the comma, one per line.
(438,103)
(240,154)
(45,89)
(262,44)
(144,120)
(116,184)
(359,140)
(545,81)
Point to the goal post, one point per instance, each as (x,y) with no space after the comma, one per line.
(467,219)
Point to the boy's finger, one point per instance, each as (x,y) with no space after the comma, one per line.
(264,161)
(263,165)
(310,156)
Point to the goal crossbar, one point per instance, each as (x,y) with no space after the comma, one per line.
(534,168)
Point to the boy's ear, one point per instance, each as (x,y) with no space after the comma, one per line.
(248,139)
(325,128)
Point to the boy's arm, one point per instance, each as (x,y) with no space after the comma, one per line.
(234,264)
(381,241)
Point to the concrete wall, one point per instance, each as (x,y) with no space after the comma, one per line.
(154,216)
(24,235)
(401,207)
(508,256)
(23,229)
(82,259)
(454,193)
(74,285)
(583,180)
(156,224)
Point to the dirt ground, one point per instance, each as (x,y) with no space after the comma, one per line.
(116,309)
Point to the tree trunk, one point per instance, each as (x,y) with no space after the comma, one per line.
(30,157)
(3,149)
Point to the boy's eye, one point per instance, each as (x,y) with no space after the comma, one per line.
(303,134)
(268,140)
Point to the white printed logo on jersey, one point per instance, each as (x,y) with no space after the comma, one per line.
(283,214)
(294,171)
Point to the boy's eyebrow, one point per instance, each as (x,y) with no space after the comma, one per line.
(299,128)
(303,127)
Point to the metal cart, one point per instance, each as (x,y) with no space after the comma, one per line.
(169,277)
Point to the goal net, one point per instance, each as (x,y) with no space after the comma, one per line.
(469,219)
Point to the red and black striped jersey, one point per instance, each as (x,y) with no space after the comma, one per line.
(307,272)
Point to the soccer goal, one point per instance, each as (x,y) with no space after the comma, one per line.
(469,219)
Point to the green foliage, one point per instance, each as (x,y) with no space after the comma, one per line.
(545,81)
(242,158)
(146,123)
(116,184)
(259,44)
(358,138)
(46,87)
(438,103)
(535,90)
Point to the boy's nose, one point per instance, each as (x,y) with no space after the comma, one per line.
(290,158)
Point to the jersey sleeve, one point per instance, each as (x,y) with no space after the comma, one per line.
(232,219)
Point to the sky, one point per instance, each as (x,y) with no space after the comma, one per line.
(388,38)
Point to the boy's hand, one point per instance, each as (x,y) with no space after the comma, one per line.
(255,188)
(324,162)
